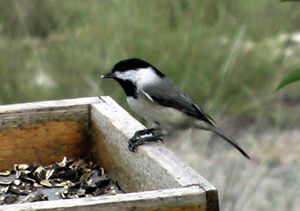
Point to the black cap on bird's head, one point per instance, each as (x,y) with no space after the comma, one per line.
(130,64)
(133,72)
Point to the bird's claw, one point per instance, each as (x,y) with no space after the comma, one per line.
(136,141)
(132,146)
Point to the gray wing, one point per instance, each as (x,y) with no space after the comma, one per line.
(172,96)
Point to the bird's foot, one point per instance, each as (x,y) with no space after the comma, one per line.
(137,140)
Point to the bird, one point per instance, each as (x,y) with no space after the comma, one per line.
(167,108)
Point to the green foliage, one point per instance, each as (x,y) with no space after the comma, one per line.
(221,52)
(290,0)
(289,78)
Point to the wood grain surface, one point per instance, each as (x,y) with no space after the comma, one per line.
(46,131)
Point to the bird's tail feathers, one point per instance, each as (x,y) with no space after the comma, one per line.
(230,140)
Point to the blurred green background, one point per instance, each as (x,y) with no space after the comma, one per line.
(228,55)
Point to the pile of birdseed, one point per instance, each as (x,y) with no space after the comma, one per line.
(68,179)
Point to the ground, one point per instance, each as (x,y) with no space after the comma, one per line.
(269,181)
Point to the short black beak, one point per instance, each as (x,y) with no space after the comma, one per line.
(108,75)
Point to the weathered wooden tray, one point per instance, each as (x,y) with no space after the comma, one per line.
(153,178)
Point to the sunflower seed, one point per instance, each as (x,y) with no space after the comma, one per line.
(39,174)
(17,182)
(70,178)
(5,173)
(5,181)
(21,167)
(46,183)
(49,173)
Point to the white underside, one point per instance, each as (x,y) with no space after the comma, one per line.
(169,119)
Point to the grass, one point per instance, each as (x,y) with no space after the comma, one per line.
(228,55)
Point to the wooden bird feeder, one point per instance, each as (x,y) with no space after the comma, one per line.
(153,178)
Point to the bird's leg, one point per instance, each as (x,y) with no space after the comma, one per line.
(144,136)
(133,144)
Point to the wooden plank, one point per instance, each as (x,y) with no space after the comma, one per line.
(47,105)
(170,199)
(44,132)
(152,167)
(26,114)
(44,143)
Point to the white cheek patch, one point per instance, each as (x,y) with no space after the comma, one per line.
(140,77)
(128,75)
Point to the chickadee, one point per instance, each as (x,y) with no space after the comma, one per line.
(164,105)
